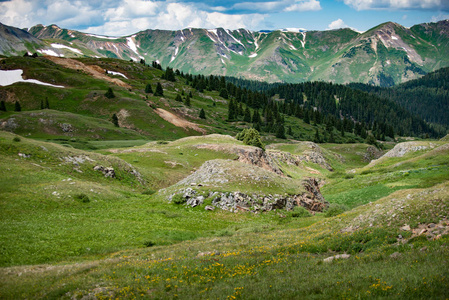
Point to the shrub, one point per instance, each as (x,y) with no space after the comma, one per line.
(149,244)
(178,199)
(114,120)
(300,212)
(159,90)
(82,197)
(250,137)
(148,192)
(17,106)
(16,139)
(335,209)
(109,94)
(148,89)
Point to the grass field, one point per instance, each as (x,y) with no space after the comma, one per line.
(72,234)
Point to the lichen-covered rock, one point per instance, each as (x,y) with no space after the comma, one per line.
(107,172)
(403,148)
(246,154)
(313,154)
(312,199)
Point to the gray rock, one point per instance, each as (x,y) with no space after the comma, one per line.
(209,207)
(339,256)
(395,255)
(66,127)
(195,201)
(405,228)
(107,172)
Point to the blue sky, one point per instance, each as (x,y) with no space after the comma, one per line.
(125,17)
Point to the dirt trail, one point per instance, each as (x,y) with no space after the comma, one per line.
(93,70)
(178,121)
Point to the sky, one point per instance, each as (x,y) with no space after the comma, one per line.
(125,17)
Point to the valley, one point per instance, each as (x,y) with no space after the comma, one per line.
(118,186)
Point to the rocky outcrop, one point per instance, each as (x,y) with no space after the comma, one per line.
(246,154)
(107,172)
(313,154)
(403,148)
(312,199)
(370,153)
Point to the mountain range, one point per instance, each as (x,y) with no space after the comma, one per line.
(385,55)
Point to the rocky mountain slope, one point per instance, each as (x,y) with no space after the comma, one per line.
(385,55)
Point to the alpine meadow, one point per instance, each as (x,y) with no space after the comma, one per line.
(225,164)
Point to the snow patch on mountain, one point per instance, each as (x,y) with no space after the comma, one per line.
(49,52)
(131,43)
(116,73)
(59,46)
(13,76)
(103,37)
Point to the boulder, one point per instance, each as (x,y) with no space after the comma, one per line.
(107,172)
(339,256)
(395,255)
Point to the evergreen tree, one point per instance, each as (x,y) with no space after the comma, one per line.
(289,131)
(148,89)
(247,115)
(115,120)
(2,106)
(187,101)
(317,138)
(232,110)
(42,104)
(169,75)
(202,114)
(224,93)
(190,94)
(17,106)
(306,117)
(109,94)
(159,90)
(178,98)
(256,117)
(46,103)
(331,137)
(371,140)
(280,132)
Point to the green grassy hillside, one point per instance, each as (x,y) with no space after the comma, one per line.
(68,231)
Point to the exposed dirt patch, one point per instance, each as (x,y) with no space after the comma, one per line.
(178,121)
(93,70)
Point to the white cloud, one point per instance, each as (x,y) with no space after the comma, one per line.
(278,6)
(440,17)
(337,24)
(397,4)
(116,18)
(216,19)
(310,5)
